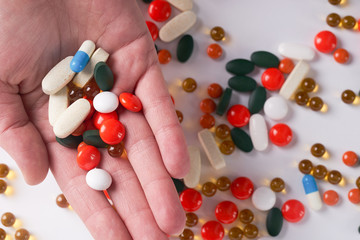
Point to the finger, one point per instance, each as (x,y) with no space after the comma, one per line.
(160,114)
(92,206)
(129,200)
(146,161)
(20,138)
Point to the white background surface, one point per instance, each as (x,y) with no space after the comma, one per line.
(250,26)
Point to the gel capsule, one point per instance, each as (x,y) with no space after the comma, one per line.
(191,200)
(82,56)
(311,191)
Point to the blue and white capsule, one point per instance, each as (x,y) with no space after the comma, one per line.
(82,56)
(312,192)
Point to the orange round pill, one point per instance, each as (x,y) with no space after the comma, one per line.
(354,195)
(215,90)
(164,56)
(330,197)
(350,158)
(207,105)
(214,51)
(207,121)
(341,55)
(286,65)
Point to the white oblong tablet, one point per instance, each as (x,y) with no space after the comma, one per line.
(258,132)
(263,198)
(106,102)
(294,79)
(58,77)
(276,108)
(177,26)
(72,118)
(80,79)
(98,179)
(211,149)
(182,5)
(191,180)
(296,51)
(58,103)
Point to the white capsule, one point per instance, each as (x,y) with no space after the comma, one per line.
(98,179)
(191,180)
(106,102)
(258,132)
(276,108)
(296,51)
(263,198)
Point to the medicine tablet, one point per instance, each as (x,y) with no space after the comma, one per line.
(98,179)
(276,108)
(192,179)
(182,5)
(263,198)
(296,51)
(258,132)
(106,102)
(177,26)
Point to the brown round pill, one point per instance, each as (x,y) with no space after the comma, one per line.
(251,231)
(223,183)
(333,19)
(207,121)
(116,150)
(91,89)
(277,184)
(236,233)
(318,150)
(61,201)
(8,219)
(215,90)
(187,234)
(217,33)
(3,186)
(2,234)
(302,98)
(305,166)
(348,22)
(334,177)
(74,92)
(319,172)
(348,96)
(308,84)
(222,131)
(180,116)
(191,219)
(22,234)
(227,147)
(208,189)
(189,85)
(246,216)
(4,170)
(316,103)
(358,182)
(334,2)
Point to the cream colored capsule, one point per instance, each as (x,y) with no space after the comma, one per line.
(72,118)
(258,132)
(58,103)
(294,79)
(58,77)
(212,151)
(80,79)
(177,26)
(182,5)
(191,180)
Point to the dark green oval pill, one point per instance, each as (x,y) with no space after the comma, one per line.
(274,222)
(240,66)
(242,83)
(265,59)
(185,48)
(241,139)
(179,185)
(257,100)
(224,102)
(92,137)
(70,141)
(103,76)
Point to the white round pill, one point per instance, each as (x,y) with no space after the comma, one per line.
(263,198)
(98,179)
(106,102)
(276,108)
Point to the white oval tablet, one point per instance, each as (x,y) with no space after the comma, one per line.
(258,132)
(106,102)
(191,180)
(98,179)
(276,108)
(182,5)
(72,118)
(296,51)
(177,26)
(58,103)
(263,198)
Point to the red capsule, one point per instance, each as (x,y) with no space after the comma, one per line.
(238,115)
(226,212)
(212,230)
(88,157)
(242,188)
(112,131)
(325,41)
(280,134)
(191,200)
(99,118)
(272,79)
(159,10)
(130,102)
(153,29)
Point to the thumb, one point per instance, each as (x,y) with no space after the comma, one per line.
(20,138)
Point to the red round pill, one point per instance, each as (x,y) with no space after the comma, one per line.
(212,230)
(325,41)
(130,102)
(272,79)
(159,10)
(242,188)
(112,131)
(226,212)
(153,29)
(88,157)
(280,134)
(191,200)
(99,118)
(238,115)
(293,210)
(354,195)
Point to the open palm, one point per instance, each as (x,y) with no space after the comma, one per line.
(34,36)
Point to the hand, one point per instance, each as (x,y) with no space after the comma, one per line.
(35,36)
